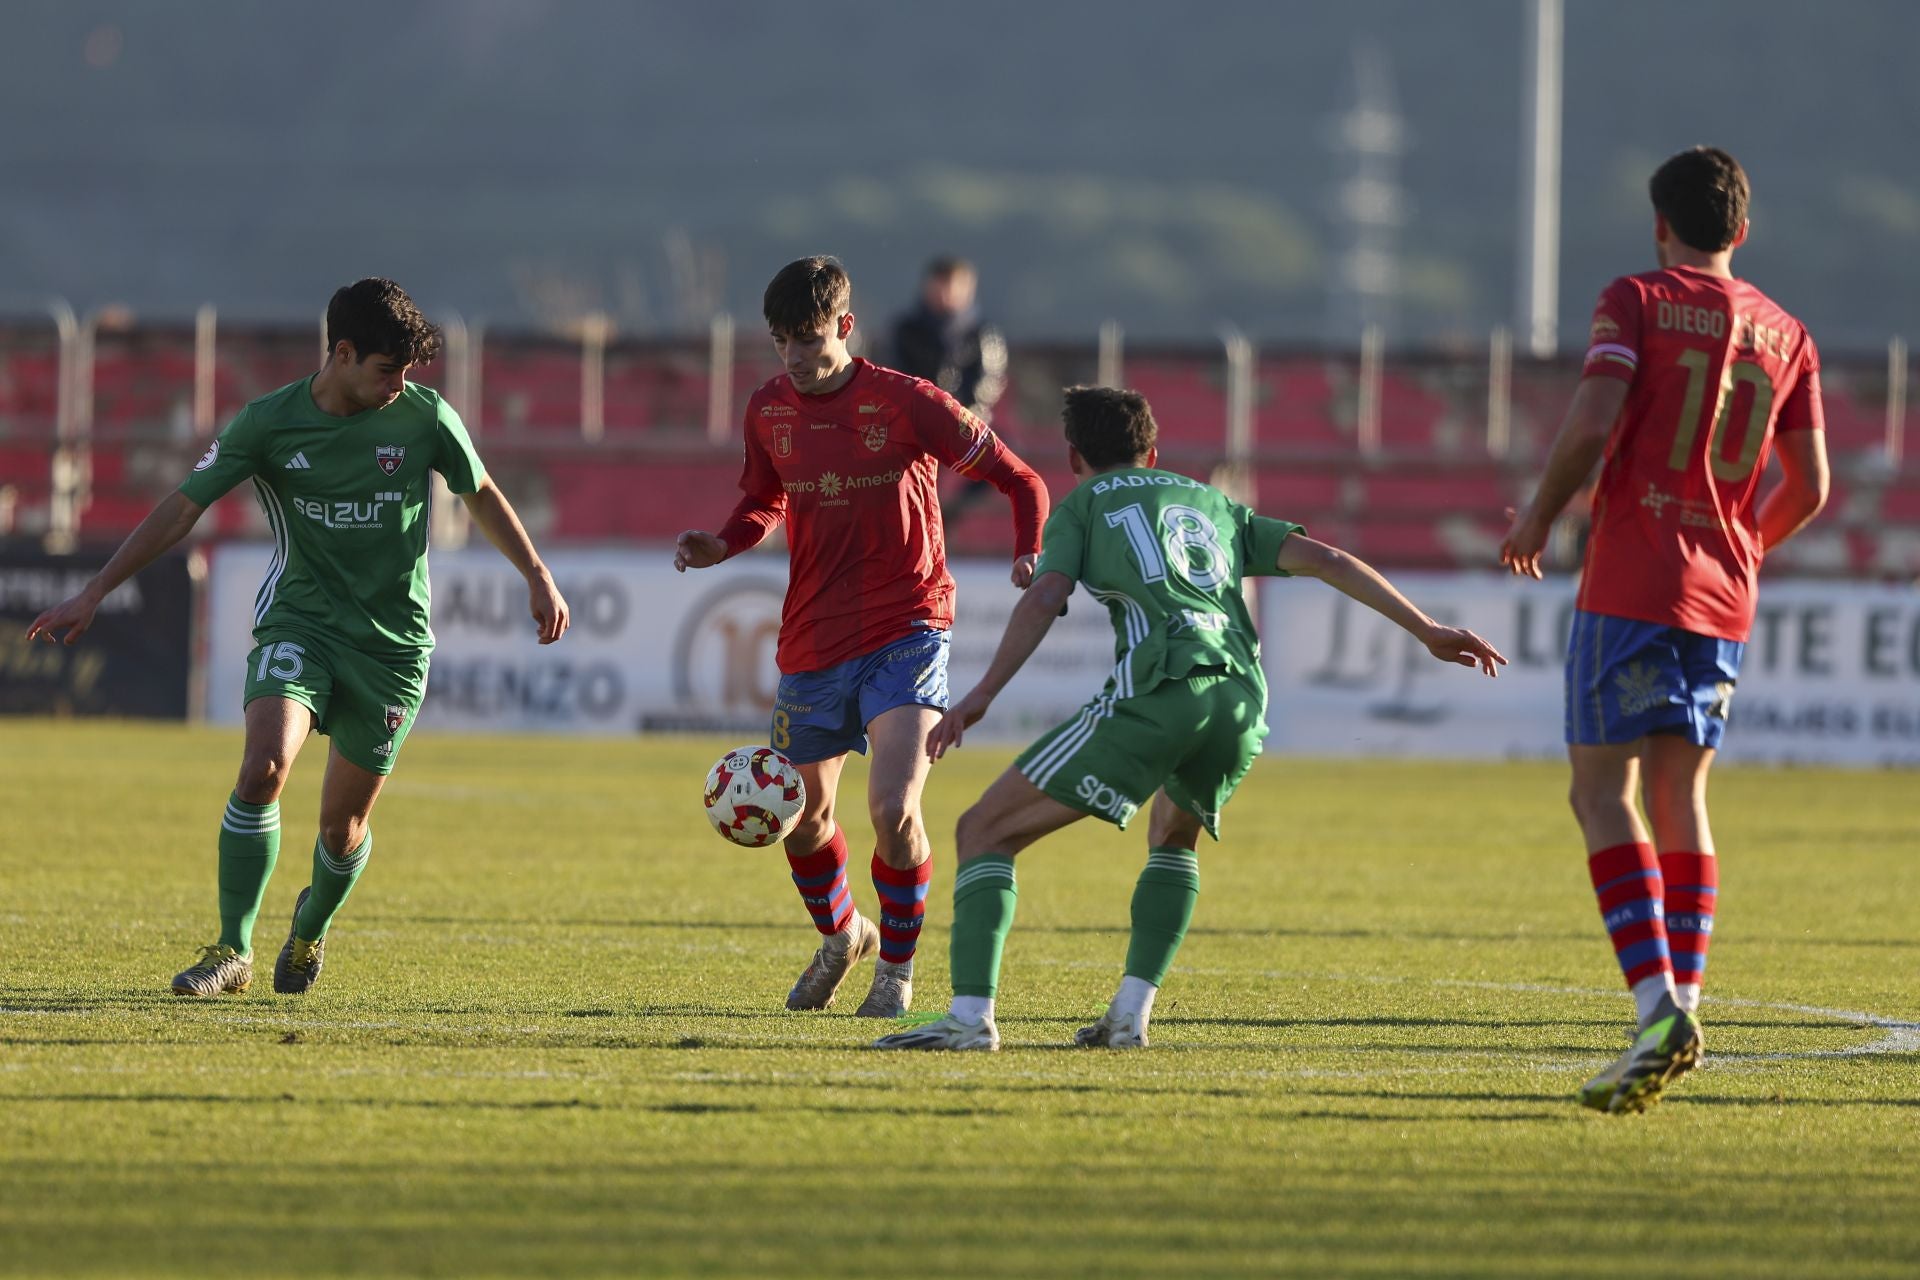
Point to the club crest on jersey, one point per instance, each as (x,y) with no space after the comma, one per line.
(874,436)
(206,459)
(389,456)
(783,439)
(396,716)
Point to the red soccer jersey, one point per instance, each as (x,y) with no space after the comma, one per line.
(853,472)
(1713,369)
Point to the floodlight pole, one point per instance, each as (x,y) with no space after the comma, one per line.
(1539,300)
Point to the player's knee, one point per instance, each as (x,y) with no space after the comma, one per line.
(342,835)
(974,834)
(263,776)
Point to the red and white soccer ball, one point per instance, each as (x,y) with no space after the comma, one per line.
(754,796)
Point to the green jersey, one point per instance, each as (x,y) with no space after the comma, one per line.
(346,499)
(1166,555)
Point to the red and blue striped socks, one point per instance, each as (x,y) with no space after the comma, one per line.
(903,907)
(821,877)
(1692,883)
(1626,879)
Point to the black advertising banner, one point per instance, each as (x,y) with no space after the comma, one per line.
(133,661)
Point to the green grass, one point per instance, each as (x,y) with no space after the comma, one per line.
(550,1039)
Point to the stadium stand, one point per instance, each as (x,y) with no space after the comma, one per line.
(1430,497)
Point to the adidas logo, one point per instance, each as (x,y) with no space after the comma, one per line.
(298,462)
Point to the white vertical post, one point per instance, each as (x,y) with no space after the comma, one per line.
(1500,392)
(448,523)
(1540,181)
(593,375)
(1111,370)
(1896,400)
(205,330)
(719,379)
(63,499)
(1239,425)
(1372,373)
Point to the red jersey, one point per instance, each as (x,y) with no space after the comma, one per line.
(853,472)
(1713,369)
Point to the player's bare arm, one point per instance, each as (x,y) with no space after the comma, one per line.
(164,526)
(1802,490)
(495,516)
(1582,439)
(1026,628)
(1302,557)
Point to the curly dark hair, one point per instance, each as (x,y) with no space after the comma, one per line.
(806,294)
(379,319)
(1702,193)
(1110,427)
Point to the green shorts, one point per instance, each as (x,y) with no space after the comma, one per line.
(364,703)
(1196,736)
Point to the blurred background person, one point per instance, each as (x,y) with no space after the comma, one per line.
(944,340)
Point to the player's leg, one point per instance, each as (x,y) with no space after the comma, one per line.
(340,854)
(1676,792)
(1677,764)
(1012,814)
(1162,908)
(280,693)
(816,721)
(902,692)
(902,858)
(1220,718)
(1625,685)
(372,712)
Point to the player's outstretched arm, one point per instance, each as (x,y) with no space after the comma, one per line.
(1582,439)
(1302,557)
(495,516)
(1025,629)
(165,525)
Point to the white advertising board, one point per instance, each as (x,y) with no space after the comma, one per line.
(651,649)
(1831,673)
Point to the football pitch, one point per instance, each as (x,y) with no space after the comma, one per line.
(550,1038)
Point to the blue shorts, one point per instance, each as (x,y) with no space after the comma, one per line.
(821,714)
(1627,679)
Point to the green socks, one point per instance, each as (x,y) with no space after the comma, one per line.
(1162,908)
(983,900)
(333,880)
(249,846)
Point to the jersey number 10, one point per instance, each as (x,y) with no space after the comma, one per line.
(1729,469)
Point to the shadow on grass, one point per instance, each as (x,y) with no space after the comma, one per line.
(481,1104)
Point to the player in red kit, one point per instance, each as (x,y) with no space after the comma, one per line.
(1692,378)
(848,454)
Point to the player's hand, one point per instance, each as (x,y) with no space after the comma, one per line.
(550,612)
(1461,646)
(1023,571)
(1524,542)
(72,615)
(960,717)
(697,550)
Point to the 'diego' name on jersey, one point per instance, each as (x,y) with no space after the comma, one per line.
(347,514)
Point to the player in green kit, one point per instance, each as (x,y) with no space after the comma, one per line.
(341,464)
(1180,720)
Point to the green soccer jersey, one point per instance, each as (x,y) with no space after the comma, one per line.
(1166,555)
(346,499)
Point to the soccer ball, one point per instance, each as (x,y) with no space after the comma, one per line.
(754,796)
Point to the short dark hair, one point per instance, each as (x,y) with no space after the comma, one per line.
(947,266)
(1702,193)
(806,294)
(1110,427)
(379,319)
